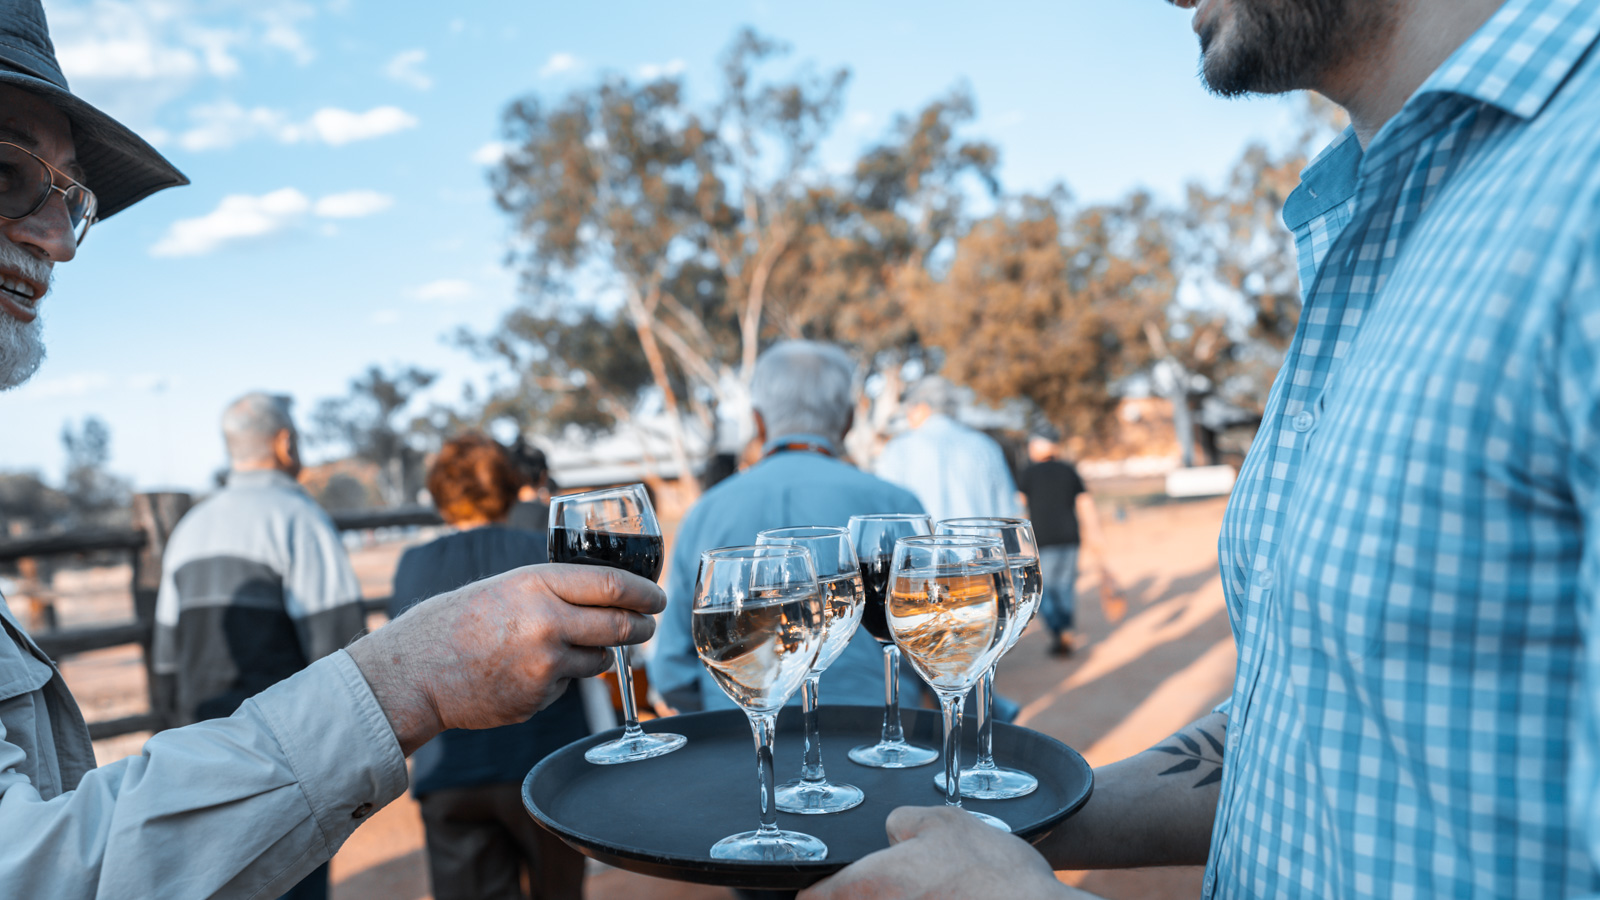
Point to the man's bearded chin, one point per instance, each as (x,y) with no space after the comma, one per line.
(21,350)
(1274,46)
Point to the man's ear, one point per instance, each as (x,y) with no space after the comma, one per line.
(849,423)
(761,428)
(286,452)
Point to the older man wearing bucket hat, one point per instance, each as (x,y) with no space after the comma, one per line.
(243,806)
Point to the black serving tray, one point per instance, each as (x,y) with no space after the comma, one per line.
(660,816)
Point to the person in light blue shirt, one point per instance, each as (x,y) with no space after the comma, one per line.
(803,395)
(1411,556)
(955,471)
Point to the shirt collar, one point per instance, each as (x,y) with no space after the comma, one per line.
(1329,181)
(1521,56)
(798,440)
(260,478)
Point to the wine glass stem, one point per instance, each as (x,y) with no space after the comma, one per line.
(985,714)
(764,724)
(630,725)
(811,770)
(892,734)
(951,705)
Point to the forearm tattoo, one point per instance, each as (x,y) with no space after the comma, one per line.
(1195,755)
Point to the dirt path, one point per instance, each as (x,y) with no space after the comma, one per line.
(1130,685)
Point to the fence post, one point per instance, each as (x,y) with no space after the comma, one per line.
(156,515)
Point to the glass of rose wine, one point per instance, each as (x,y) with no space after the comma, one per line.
(757,627)
(616,528)
(839,580)
(984,780)
(946,610)
(874,538)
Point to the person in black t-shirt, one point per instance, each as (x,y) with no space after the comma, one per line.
(1063,516)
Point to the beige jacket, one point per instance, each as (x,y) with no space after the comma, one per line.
(237,807)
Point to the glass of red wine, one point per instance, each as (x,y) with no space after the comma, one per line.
(617,528)
(874,538)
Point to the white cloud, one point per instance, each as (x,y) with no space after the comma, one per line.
(406,68)
(444,290)
(238,217)
(385,317)
(653,71)
(490,154)
(77,384)
(559,63)
(225,123)
(861,120)
(352,204)
(338,126)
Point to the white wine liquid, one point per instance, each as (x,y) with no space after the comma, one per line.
(842,603)
(759,651)
(946,621)
(1029,585)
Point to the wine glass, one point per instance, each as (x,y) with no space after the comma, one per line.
(758,625)
(617,528)
(946,610)
(874,538)
(839,580)
(984,780)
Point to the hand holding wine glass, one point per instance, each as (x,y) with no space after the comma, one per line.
(617,528)
(946,595)
(758,626)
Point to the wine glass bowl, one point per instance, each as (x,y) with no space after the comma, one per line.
(758,626)
(839,580)
(615,528)
(985,780)
(873,537)
(946,610)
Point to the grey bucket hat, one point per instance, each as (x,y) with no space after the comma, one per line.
(121,168)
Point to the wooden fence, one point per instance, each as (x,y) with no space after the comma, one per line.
(154,517)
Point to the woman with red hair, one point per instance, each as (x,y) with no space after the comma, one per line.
(468,783)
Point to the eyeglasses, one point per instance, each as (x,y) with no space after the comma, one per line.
(26,182)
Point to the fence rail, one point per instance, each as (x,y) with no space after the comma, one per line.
(139,542)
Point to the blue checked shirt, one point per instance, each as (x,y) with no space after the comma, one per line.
(1411,555)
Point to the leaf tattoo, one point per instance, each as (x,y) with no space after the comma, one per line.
(1194,755)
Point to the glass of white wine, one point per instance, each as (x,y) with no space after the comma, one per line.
(947,614)
(757,626)
(839,579)
(984,780)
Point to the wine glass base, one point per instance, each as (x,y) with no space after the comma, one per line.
(632,748)
(892,755)
(815,798)
(987,819)
(771,846)
(993,784)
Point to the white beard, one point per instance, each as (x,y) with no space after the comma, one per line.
(21,350)
(21,345)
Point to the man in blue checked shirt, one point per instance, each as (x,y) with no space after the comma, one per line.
(1412,554)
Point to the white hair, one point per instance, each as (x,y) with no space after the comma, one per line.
(21,343)
(804,387)
(251,424)
(937,392)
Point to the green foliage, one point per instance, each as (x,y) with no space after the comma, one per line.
(370,422)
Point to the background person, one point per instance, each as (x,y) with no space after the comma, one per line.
(803,396)
(1064,518)
(255,583)
(953,470)
(531,511)
(480,839)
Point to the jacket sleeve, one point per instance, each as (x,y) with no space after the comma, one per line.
(320,590)
(237,807)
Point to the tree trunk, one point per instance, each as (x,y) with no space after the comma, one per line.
(643,324)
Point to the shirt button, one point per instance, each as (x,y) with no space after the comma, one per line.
(1265,581)
(1303,421)
(362,811)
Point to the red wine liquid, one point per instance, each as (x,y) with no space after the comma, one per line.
(640,554)
(875,585)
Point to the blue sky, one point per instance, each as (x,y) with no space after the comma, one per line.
(340,216)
